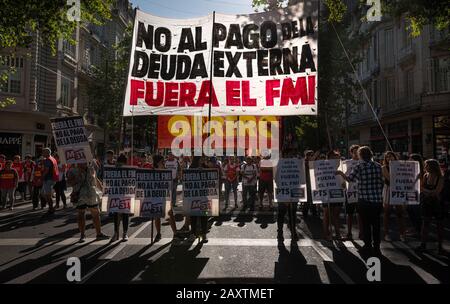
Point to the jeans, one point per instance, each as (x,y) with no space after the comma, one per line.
(291,210)
(370,215)
(228,187)
(174,192)
(245,192)
(59,191)
(8,195)
(203,224)
(125,220)
(36,197)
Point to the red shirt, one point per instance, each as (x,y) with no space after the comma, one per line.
(147,165)
(8,179)
(231,172)
(37,176)
(2,165)
(19,168)
(28,168)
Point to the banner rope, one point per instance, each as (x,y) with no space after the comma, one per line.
(362,88)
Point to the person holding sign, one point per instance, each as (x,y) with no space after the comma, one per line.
(231,170)
(391,156)
(265,181)
(331,211)
(125,217)
(84,182)
(370,196)
(350,208)
(249,179)
(197,164)
(431,188)
(158,163)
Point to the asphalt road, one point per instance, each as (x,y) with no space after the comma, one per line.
(242,248)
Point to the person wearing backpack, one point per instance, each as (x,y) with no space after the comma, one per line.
(249,176)
(50,177)
(9,180)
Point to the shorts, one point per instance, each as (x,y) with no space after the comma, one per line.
(85,206)
(265,185)
(47,187)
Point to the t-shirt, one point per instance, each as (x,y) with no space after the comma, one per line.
(249,173)
(19,168)
(48,164)
(231,171)
(172,165)
(8,179)
(28,168)
(266,171)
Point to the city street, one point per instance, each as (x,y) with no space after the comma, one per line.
(242,248)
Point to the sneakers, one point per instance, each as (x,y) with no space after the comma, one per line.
(11,208)
(204,239)
(124,237)
(157,238)
(387,238)
(115,237)
(82,238)
(102,236)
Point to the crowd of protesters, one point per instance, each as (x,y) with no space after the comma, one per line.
(46,177)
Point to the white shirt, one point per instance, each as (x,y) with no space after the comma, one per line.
(172,165)
(249,173)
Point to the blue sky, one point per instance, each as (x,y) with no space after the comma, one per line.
(181,9)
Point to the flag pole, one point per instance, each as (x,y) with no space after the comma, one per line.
(211,76)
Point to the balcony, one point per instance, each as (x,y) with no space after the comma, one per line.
(402,105)
(407,54)
(439,39)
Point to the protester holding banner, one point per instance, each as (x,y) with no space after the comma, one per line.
(414,211)
(370,196)
(172,164)
(28,167)
(308,205)
(37,181)
(197,164)
(249,178)
(391,156)
(124,217)
(231,169)
(19,167)
(331,211)
(60,186)
(51,175)
(9,180)
(432,206)
(350,208)
(286,207)
(158,163)
(265,183)
(84,182)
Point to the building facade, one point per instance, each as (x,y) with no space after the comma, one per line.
(45,86)
(408,83)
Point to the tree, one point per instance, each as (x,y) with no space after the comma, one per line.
(20,20)
(107,87)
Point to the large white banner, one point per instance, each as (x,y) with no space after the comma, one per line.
(290,180)
(351,188)
(404,182)
(326,187)
(263,64)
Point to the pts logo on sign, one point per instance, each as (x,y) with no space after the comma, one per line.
(198,205)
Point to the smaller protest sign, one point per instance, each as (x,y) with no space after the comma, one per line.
(153,190)
(326,187)
(201,192)
(290,180)
(71,140)
(351,188)
(119,185)
(404,182)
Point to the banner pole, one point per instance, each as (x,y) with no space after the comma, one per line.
(132,134)
(211,76)
(151,242)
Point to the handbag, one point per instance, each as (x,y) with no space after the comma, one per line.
(75,195)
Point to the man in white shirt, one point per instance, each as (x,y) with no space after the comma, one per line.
(249,177)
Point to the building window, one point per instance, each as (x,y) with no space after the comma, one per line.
(375,101)
(409,85)
(389,47)
(12,67)
(441,75)
(68,48)
(65,93)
